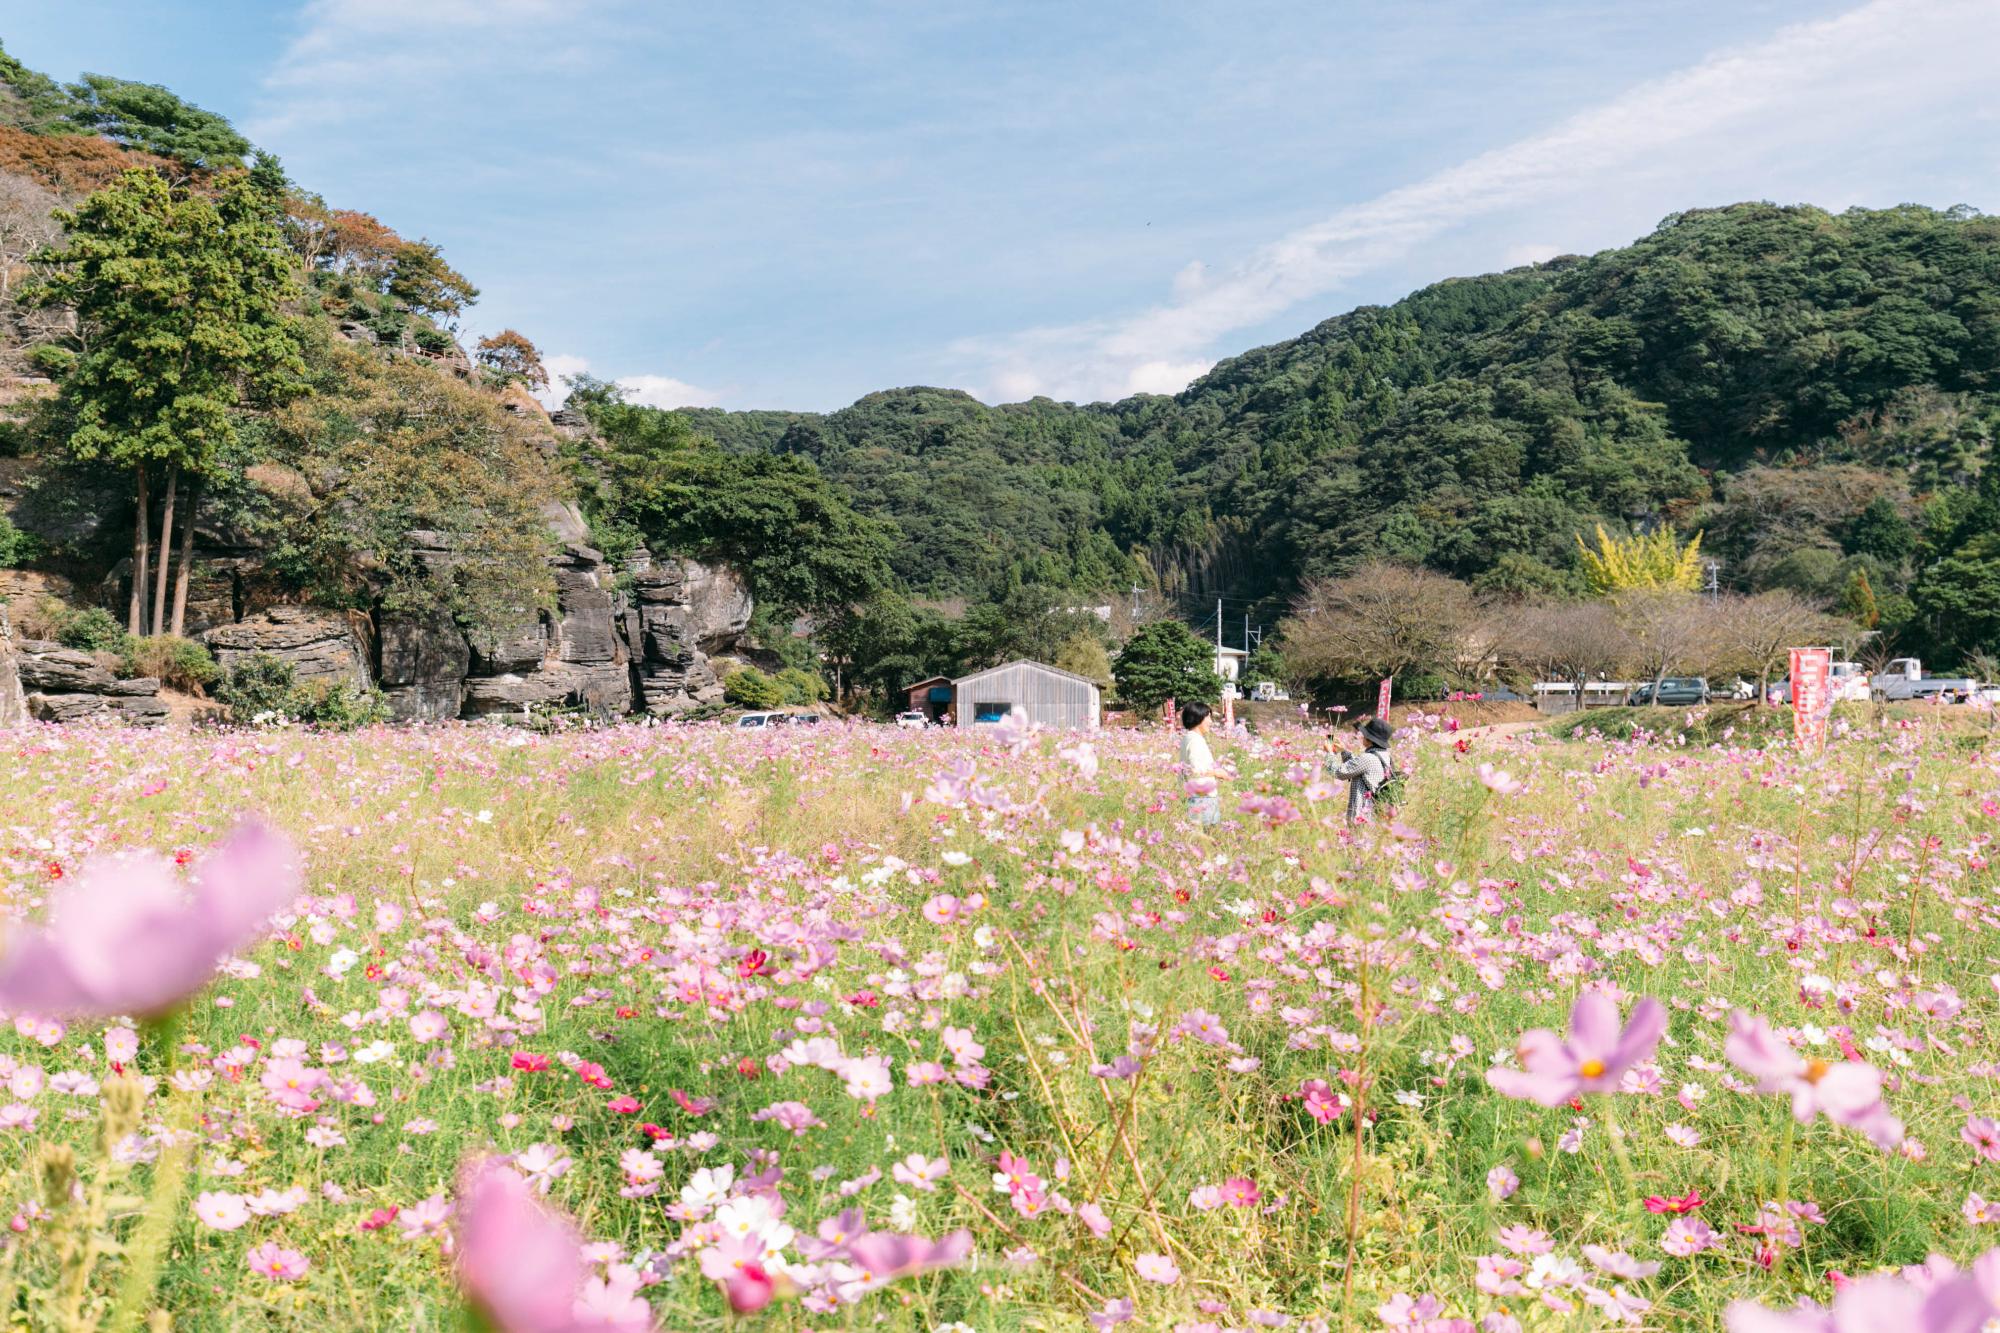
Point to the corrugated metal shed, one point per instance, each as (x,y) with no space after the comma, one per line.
(1050,697)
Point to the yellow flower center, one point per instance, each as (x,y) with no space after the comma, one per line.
(1591,1069)
(1816,1070)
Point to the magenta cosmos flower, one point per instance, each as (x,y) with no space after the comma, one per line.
(1598,1051)
(1848,1091)
(126,937)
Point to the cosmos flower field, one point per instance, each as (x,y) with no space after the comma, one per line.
(686,1028)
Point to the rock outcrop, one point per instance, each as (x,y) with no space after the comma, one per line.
(320,645)
(58,684)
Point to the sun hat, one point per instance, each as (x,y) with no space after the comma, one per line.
(1377,732)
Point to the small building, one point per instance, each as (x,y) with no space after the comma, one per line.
(931,697)
(1048,695)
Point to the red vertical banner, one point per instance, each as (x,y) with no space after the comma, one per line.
(1812,695)
(1382,698)
(1167,713)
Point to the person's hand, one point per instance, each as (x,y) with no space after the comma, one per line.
(1346,755)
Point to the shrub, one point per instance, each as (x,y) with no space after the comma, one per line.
(800,686)
(747,687)
(180,664)
(93,630)
(16,546)
(51,360)
(263,690)
(435,341)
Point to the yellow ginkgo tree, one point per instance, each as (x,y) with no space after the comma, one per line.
(1647,561)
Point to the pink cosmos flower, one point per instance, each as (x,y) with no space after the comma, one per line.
(1848,1092)
(1501,1182)
(430,1025)
(125,936)
(1596,1054)
(1933,1297)
(1498,780)
(277,1263)
(520,1264)
(222,1210)
(1157,1268)
(884,1256)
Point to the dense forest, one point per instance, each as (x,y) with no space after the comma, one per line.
(1814,395)
(1817,393)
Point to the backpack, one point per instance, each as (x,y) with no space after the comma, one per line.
(1388,793)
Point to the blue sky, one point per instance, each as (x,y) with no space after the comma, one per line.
(771,204)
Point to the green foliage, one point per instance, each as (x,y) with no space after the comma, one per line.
(747,687)
(51,359)
(148,117)
(435,341)
(180,664)
(423,283)
(385,447)
(1880,531)
(772,516)
(182,297)
(92,629)
(34,102)
(1033,621)
(262,690)
(799,687)
(886,644)
(1165,660)
(1083,655)
(16,547)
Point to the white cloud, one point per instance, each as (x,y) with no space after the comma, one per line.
(357,58)
(1826,84)
(646,390)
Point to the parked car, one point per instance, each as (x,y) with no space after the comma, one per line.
(804,719)
(912,721)
(1674,692)
(761,720)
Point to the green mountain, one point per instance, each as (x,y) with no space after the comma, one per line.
(1819,392)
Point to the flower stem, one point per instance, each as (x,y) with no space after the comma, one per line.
(150,1243)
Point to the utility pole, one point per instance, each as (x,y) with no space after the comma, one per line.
(1714,569)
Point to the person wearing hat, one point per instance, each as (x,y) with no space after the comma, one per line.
(1368,772)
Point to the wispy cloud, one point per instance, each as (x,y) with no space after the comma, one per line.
(351,57)
(1812,81)
(646,390)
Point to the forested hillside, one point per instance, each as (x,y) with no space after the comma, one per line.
(1818,393)
(1815,395)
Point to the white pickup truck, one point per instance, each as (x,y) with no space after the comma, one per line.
(1846,683)
(1904,678)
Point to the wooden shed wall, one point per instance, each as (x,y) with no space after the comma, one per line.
(1051,698)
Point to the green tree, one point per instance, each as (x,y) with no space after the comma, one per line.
(148,117)
(772,516)
(180,301)
(1083,655)
(424,284)
(1166,660)
(1880,531)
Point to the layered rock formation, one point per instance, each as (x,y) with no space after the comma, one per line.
(638,643)
(58,684)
